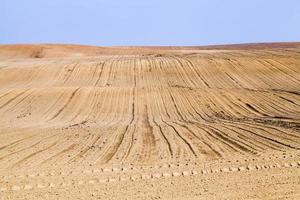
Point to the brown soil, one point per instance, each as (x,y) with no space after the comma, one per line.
(217,122)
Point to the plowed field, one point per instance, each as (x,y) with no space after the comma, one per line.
(81,122)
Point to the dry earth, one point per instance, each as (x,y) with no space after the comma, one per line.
(79,122)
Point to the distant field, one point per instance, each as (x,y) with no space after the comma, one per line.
(150,122)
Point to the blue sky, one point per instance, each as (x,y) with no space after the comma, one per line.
(149,22)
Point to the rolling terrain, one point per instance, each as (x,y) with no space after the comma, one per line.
(80,122)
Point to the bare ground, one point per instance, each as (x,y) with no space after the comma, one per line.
(81,122)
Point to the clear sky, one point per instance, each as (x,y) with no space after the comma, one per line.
(149,22)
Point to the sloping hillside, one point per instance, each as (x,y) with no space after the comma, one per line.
(80,120)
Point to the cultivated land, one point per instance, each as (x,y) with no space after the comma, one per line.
(79,122)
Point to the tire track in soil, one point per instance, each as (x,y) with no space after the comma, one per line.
(115,175)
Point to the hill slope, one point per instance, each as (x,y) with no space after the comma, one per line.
(150,122)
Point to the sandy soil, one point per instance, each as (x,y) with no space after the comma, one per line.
(80,122)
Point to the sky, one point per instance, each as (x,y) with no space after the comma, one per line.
(149,22)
